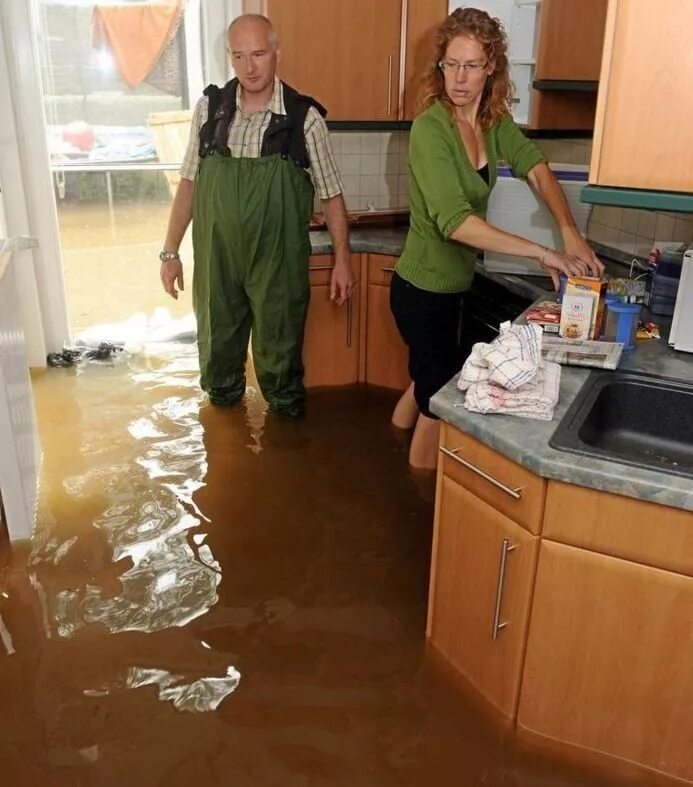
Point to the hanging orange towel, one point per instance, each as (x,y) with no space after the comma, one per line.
(136,35)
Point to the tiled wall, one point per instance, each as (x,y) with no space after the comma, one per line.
(373,166)
(635,231)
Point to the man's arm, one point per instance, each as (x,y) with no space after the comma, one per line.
(342,283)
(181,216)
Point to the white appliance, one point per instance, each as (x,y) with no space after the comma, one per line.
(681,335)
(515,208)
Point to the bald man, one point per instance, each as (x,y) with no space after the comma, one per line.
(258,152)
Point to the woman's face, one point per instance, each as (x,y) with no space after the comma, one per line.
(465,69)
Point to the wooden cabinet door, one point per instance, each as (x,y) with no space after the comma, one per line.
(481,587)
(644,117)
(608,665)
(387,357)
(344,54)
(571,39)
(331,343)
(422,20)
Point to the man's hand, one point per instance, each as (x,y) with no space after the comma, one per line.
(575,245)
(342,283)
(171,274)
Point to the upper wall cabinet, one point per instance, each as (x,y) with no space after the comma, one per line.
(422,19)
(571,38)
(569,53)
(644,121)
(362,59)
(345,54)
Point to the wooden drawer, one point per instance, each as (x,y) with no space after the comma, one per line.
(623,527)
(380,269)
(500,482)
(320,268)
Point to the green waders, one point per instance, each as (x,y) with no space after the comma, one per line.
(251,246)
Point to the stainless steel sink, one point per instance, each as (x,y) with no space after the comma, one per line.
(631,418)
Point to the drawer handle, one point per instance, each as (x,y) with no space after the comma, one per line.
(387,270)
(321,268)
(389,85)
(516,494)
(350,315)
(506,548)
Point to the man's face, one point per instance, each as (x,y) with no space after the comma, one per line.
(253,56)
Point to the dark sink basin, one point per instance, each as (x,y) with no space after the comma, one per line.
(635,419)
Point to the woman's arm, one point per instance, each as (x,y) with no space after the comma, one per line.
(478,233)
(549,189)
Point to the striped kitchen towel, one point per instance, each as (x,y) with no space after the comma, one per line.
(509,376)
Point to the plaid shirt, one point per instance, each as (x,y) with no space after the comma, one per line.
(246,134)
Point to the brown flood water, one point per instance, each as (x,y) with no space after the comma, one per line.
(217,597)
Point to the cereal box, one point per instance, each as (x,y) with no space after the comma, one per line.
(576,316)
(595,289)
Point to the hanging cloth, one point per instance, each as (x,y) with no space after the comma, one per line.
(136,35)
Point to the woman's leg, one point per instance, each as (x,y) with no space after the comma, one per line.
(406,411)
(423,451)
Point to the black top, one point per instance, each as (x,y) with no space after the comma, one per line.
(484,172)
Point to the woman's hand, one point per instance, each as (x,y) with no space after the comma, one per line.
(576,246)
(555,262)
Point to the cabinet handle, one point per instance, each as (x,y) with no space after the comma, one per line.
(387,270)
(389,85)
(516,494)
(506,548)
(322,268)
(350,309)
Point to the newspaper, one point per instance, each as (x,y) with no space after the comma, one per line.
(599,355)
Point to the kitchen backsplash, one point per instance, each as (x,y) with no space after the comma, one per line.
(373,166)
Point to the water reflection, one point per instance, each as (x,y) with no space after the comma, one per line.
(142,480)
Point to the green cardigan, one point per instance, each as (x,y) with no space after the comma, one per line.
(444,188)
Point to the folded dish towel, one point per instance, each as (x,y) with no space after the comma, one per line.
(509,376)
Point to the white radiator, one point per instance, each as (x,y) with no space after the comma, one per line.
(20,453)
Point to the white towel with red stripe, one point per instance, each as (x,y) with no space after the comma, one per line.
(509,375)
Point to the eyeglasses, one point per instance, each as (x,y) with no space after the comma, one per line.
(450,66)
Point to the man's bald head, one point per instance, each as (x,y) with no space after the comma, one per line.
(257,23)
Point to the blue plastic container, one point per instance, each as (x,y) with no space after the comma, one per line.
(623,323)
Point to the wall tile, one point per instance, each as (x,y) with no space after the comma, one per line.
(626,242)
(629,220)
(682,230)
(351,184)
(665,228)
(371,164)
(370,143)
(351,143)
(349,163)
(647,222)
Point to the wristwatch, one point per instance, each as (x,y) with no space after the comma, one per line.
(165,256)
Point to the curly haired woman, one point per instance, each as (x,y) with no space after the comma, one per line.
(463,130)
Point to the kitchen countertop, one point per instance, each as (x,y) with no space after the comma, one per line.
(381,240)
(526,441)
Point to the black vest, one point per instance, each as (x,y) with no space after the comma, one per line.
(284,134)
